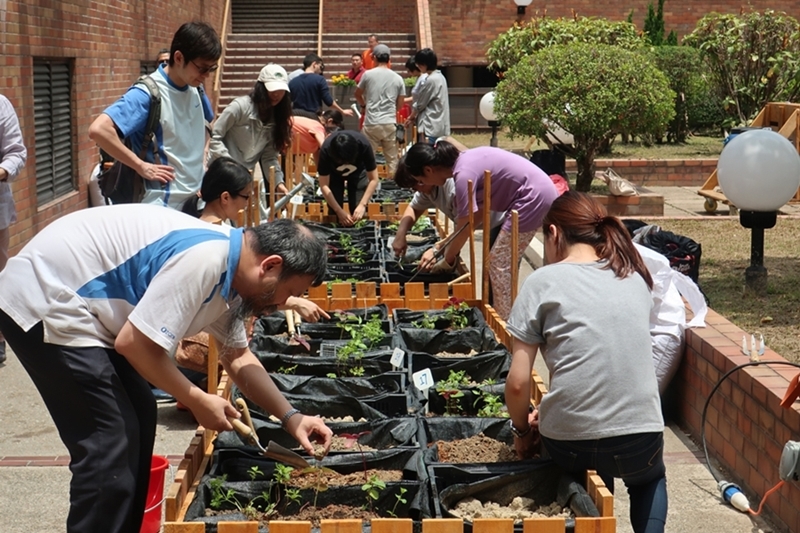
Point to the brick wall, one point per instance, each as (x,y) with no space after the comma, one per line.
(368,16)
(657,172)
(746,428)
(106,40)
(463,30)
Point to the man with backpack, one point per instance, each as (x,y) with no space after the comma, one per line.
(163,151)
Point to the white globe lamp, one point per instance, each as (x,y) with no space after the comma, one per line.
(759,171)
(521,5)
(486,107)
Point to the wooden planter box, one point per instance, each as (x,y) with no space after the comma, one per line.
(199,454)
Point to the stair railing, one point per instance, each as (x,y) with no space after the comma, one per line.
(319,28)
(218,72)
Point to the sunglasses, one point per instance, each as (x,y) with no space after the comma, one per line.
(204,70)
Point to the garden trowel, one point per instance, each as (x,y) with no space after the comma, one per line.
(273,450)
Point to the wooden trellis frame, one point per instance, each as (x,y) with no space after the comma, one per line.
(782,117)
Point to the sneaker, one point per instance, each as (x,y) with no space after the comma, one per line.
(2,352)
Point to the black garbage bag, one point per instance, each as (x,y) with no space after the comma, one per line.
(271,344)
(433,341)
(405,318)
(463,427)
(380,434)
(682,252)
(402,273)
(376,407)
(544,483)
(550,161)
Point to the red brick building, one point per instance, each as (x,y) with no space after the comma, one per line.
(63,62)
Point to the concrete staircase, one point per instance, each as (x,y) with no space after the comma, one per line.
(275,16)
(247,53)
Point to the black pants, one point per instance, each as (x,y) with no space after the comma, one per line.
(106,416)
(356,186)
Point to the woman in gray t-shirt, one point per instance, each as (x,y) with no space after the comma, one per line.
(588,311)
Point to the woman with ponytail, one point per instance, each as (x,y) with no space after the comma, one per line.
(588,310)
(516,184)
(226,188)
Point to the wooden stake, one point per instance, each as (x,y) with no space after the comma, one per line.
(514,254)
(272,214)
(487,204)
(459,279)
(470,192)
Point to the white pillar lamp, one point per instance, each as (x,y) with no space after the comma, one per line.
(521,5)
(486,108)
(759,171)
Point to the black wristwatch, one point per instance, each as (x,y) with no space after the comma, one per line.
(517,433)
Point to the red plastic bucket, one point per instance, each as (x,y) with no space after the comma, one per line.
(151,523)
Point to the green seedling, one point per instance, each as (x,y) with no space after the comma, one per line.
(457,310)
(426,322)
(319,482)
(293,495)
(398,500)
(450,390)
(373,488)
(287,369)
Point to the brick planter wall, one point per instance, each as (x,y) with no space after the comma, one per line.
(746,428)
(657,172)
(645,204)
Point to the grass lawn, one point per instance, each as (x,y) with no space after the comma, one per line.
(726,255)
(696,147)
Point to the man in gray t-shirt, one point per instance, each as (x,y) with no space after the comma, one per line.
(380,93)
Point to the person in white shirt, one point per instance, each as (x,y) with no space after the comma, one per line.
(93,317)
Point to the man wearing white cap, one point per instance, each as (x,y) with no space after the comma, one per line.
(380,93)
(257,127)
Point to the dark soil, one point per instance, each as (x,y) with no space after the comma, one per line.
(334,479)
(477,449)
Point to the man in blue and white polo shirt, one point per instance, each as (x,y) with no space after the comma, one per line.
(181,132)
(93,305)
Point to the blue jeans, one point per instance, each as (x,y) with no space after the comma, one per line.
(636,459)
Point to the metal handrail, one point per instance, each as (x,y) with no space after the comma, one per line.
(319,28)
(224,31)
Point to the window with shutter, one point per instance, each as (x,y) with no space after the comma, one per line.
(52,82)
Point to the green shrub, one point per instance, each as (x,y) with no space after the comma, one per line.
(705,107)
(754,58)
(524,39)
(681,65)
(593,91)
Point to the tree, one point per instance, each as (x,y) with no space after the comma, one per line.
(754,58)
(654,24)
(521,40)
(593,91)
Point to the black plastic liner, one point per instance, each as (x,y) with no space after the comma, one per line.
(372,260)
(452,428)
(403,318)
(403,273)
(347,271)
(487,365)
(469,404)
(543,481)
(417,504)
(433,341)
(275,323)
(381,434)
(234,463)
(356,387)
(373,363)
(373,408)
(270,344)
(322,231)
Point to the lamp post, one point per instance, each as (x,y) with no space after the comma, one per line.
(759,171)
(521,5)
(486,108)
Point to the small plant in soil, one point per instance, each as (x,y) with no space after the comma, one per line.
(426,322)
(457,310)
(373,488)
(220,496)
(398,500)
(293,496)
(287,369)
(493,406)
(450,390)
(329,284)
(363,336)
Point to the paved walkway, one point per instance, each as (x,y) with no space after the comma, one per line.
(34,479)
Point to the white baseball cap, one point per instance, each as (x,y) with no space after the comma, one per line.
(274,77)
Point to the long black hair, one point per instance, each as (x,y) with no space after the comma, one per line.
(281,114)
(441,154)
(223,175)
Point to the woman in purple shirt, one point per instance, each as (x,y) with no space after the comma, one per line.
(516,184)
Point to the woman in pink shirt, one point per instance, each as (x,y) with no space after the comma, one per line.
(517,184)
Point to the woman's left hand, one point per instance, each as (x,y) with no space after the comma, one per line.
(358,214)
(308,427)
